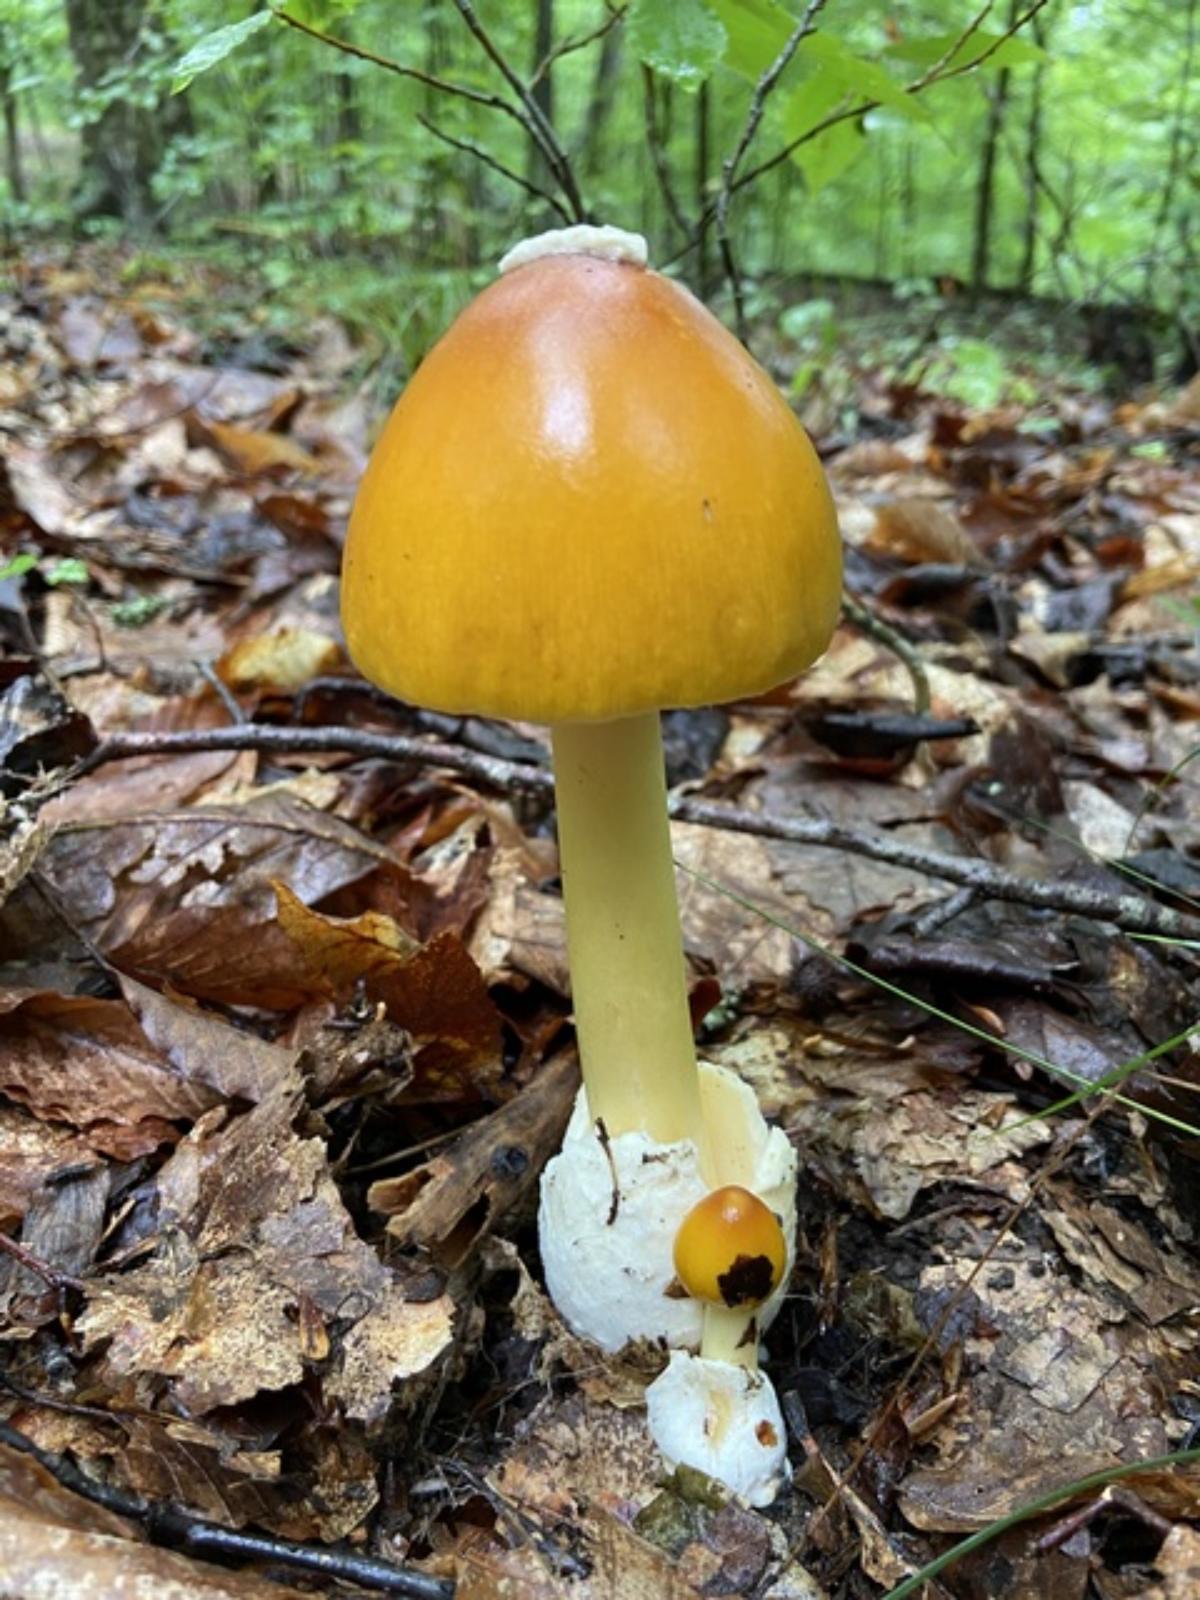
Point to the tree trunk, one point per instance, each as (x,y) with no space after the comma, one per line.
(1033,168)
(600,102)
(13,171)
(123,148)
(542,85)
(704,281)
(985,188)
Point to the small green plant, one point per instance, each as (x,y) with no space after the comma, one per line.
(138,610)
(813,328)
(69,569)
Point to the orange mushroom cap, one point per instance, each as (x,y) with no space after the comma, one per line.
(589,502)
(730,1249)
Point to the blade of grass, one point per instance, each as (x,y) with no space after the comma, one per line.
(1156,794)
(1033,1508)
(1085,1085)
(1112,865)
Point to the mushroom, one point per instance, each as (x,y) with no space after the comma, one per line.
(716,1411)
(590,504)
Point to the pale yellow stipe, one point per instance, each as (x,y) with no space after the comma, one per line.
(725,1337)
(628,980)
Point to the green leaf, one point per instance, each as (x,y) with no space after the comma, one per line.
(69,570)
(19,566)
(679,39)
(863,78)
(1014,52)
(757,31)
(828,155)
(214,47)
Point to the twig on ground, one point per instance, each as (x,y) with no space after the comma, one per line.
(40,1269)
(866,621)
(1129,912)
(174,1529)
(754,116)
(222,691)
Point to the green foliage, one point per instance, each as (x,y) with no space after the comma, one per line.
(212,49)
(69,570)
(680,39)
(315,166)
(968,370)
(812,328)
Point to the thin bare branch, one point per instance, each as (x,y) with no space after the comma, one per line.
(1127,911)
(868,622)
(540,128)
(490,160)
(658,155)
(462,91)
(167,1525)
(580,42)
(525,113)
(758,105)
(925,81)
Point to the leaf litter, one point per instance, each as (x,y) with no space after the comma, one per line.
(284,1036)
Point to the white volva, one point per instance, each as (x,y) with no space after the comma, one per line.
(723,1420)
(610,1210)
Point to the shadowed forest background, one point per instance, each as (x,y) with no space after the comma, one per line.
(285,1020)
(1061,169)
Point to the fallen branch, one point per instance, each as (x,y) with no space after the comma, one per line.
(1127,911)
(175,1530)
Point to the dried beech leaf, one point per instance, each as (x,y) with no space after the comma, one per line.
(87,1062)
(186,898)
(435,992)
(922,530)
(282,660)
(256,452)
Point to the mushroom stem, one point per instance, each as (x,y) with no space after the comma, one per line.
(730,1335)
(628,979)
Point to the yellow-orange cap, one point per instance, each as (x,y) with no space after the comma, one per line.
(730,1249)
(589,502)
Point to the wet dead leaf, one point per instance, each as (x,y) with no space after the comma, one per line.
(54,1545)
(922,530)
(87,1062)
(282,661)
(186,898)
(434,991)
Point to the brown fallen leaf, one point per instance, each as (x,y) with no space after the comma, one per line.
(921,529)
(1178,1564)
(87,1062)
(55,1545)
(30,1150)
(256,452)
(434,991)
(252,1227)
(185,898)
(282,660)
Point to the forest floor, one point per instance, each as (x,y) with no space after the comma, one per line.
(283,1036)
